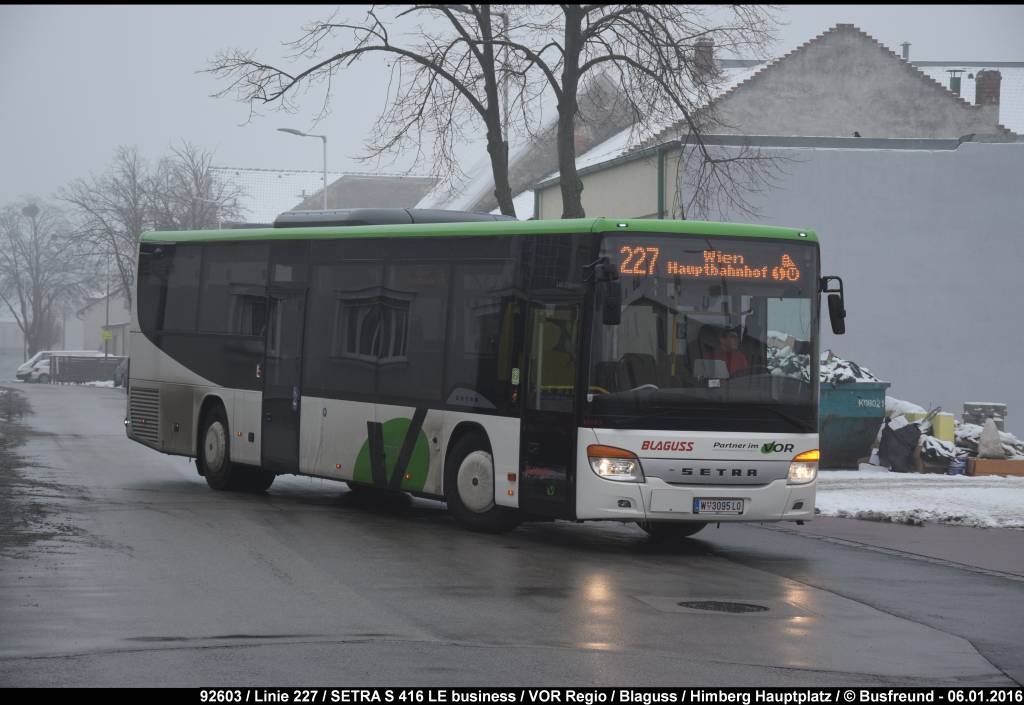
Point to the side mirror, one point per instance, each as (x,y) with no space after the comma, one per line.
(837,313)
(836,304)
(611,303)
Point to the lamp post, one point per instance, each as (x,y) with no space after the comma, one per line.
(30,211)
(106,327)
(300,133)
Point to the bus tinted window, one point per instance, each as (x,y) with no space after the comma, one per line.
(342,340)
(154,265)
(234,289)
(182,288)
(413,310)
(485,311)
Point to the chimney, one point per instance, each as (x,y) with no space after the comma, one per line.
(704,58)
(987,87)
(581,138)
(954,80)
(906,51)
(986,95)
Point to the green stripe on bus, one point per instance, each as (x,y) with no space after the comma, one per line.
(394,432)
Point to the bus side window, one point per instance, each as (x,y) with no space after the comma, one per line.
(233,298)
(483,337)
(182,289)
(554,331)
(154,266)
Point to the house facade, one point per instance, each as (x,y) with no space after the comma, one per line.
(94,319)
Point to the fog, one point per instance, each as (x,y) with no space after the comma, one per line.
(77,81)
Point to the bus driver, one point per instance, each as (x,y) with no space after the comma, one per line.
(728,349)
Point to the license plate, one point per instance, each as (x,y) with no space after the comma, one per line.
(708,505)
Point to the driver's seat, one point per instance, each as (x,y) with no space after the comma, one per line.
(641,369)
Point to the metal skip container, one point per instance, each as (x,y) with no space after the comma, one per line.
(849,417)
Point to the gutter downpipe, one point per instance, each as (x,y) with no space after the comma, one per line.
(661,183)
(536,203)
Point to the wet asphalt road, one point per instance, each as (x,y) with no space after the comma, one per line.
(138,574)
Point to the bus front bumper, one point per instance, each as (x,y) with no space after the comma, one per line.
(656,500)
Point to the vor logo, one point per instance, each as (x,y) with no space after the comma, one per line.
(777,448)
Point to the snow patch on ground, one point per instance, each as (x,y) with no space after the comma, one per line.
(911,498)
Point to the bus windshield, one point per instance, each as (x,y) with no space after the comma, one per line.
(715,334)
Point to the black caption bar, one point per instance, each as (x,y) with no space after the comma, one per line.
(613,696)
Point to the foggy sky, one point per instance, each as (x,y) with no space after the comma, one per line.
(78,81)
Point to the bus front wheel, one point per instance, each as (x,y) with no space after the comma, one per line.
(469,487)
(214,459)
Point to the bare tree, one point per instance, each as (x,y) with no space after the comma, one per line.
(186,194)
(654,52)
(41,269)
(441,81)
(112,210)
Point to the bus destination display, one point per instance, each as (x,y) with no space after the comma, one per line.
(644,261)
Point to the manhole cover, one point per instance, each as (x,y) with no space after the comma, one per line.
(716,606)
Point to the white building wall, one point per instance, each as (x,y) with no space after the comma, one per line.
(94,319)
(930,245)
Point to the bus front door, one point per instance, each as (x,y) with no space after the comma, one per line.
(548,451)
(282,379)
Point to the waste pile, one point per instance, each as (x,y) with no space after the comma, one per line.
(907,427)
(783,360)
(968,435)
(836,370)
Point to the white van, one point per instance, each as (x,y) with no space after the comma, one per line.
(26,367)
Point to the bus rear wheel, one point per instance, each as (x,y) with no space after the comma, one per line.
(214,459)
(469,487)
(663,531)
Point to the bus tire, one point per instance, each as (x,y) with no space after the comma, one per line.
(255,480)
(469,487)
(672,530)
(213,459)
(44,379)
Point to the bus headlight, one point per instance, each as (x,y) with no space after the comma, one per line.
(804,468)
(616,464)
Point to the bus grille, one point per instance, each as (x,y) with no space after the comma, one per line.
(144,410)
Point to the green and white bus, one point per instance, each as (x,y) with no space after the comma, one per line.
(650,371)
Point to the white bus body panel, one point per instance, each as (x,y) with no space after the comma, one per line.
(331,433)
(720,454)
(334,431)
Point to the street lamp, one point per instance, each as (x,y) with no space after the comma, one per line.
(30,211)
(300,133)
